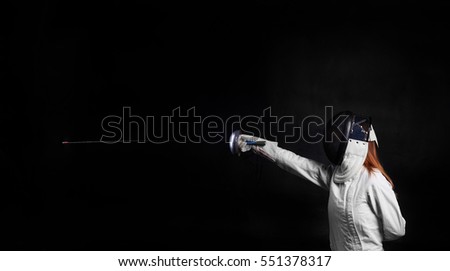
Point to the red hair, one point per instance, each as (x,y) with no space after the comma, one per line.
(372,162)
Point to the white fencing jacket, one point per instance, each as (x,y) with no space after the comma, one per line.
(362,207)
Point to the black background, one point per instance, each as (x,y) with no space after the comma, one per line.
(66,65)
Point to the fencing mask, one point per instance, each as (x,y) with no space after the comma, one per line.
(343,127)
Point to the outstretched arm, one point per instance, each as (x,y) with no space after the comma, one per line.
(308,169)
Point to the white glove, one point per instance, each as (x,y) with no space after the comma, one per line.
(268,151)
(242,142)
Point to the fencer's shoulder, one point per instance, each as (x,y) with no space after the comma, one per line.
(376,180)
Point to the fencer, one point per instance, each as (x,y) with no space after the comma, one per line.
(363,210)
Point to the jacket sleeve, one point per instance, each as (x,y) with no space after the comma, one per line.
(308,169)
(384,203)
